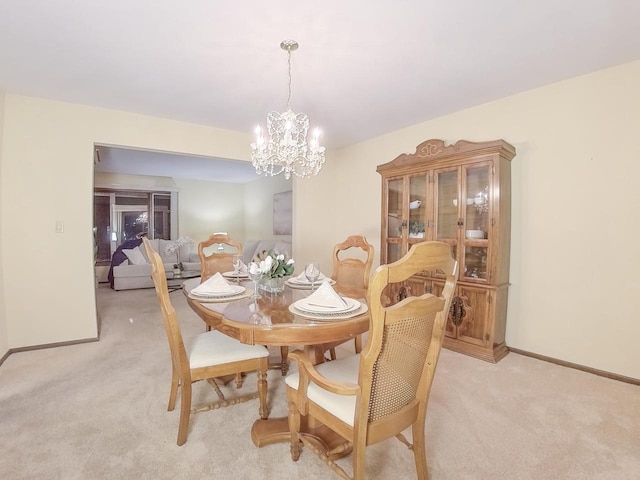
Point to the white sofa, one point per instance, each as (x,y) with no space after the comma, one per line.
(128,275)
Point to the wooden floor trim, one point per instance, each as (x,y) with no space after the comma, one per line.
(595,371)
(46,345)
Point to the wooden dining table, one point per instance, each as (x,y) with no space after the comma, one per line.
(269,321)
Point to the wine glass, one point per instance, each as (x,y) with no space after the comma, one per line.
(312,272)
(237,265)
(255,274)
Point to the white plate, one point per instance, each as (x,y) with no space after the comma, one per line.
(298,281)
(230,298)
(305,306)
(305,286)
(329,316)
(235,275)
(233,290)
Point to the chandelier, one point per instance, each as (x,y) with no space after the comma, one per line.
(286,150)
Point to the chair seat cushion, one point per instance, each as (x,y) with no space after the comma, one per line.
(341,370)
(215,348)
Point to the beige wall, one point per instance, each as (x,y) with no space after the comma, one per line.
(574,265)
(258,201)
(208,207)
(573,269)
(4,336)
(47,175)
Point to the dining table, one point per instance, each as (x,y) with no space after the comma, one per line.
(274,321)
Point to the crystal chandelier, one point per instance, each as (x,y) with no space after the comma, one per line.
(286,149)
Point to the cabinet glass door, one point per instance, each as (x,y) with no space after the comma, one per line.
(394,208)
(447,205)
(417,207)
(395,220)
(477,222)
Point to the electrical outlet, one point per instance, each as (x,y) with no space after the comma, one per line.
(59,226)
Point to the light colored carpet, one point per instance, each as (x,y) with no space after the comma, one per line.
(98,411)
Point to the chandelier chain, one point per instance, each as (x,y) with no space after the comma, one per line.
(289,96)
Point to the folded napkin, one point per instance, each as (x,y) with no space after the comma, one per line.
(243,268)
(326,296)
(302,278)
(214,284)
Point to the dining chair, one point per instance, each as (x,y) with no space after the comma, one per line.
(206,356)
(368,397)
(351,272)
(219,260)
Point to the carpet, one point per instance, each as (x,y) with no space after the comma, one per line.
(98,410)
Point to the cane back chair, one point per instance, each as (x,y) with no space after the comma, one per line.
(377,394)
(351,273)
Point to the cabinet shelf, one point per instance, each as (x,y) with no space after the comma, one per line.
(462,187)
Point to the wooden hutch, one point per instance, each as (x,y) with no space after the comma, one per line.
(459,194)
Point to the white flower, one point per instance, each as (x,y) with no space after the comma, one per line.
(266,264)
(274,264)
(254,268)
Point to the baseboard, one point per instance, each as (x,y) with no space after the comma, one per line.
(46,345)
(5,356)
(595,371)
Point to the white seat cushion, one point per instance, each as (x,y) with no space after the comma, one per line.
(342,370)
(215,348)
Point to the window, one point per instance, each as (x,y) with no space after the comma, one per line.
(121,215)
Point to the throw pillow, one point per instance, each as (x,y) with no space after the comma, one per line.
(135,256)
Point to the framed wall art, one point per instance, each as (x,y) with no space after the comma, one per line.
(283,213)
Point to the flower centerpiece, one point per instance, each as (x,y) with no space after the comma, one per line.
(275,268)
(174,247)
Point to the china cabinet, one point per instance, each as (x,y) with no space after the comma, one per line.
(458,194)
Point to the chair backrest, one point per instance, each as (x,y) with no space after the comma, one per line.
(404,341)
(170,318)
(214,262)
(352,274)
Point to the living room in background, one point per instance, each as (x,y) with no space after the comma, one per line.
(121,215)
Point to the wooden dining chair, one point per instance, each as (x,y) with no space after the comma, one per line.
(351,272)
(207,356)
(218,260)
(369,397)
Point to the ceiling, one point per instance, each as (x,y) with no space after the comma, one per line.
(364,67)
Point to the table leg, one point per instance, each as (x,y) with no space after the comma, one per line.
(276,430)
